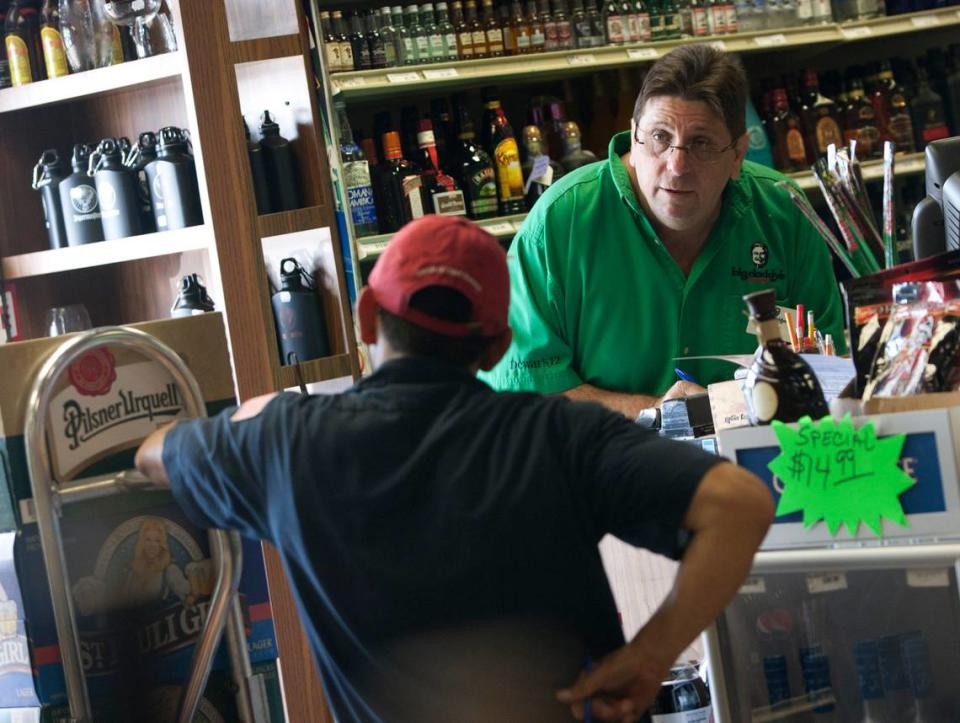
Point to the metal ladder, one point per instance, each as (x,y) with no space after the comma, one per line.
(50,494)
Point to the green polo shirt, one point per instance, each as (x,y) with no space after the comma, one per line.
(596,298)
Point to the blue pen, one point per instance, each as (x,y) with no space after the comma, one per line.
(684,377)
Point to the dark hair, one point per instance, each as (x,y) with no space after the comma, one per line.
(700,73)
(440,302)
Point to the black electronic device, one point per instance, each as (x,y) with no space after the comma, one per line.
(935,226)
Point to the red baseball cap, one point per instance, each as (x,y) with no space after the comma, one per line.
(446,251)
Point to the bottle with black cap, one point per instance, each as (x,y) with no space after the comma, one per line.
(117,190)
(301,329)
(173,182)
(137,160)
(79,202)
(258,171)
(279,164)
(47,174)
(192,298)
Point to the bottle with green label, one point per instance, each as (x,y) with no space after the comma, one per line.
(500,143)
(421,45)
(474,169)
(54,54)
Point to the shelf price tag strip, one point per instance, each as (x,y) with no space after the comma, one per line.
(861,31)
(925,21)
(403,77)
(765,41)
(440,73)
(841,475)
(642,54)
(581,59)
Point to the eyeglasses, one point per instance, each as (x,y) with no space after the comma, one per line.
(701,150)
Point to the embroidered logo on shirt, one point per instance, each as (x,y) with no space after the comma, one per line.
(760,254)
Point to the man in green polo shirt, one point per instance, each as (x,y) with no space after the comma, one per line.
(625,265)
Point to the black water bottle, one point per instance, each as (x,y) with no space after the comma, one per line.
(173,183)
(301,329)
(261,189)
(47,174)
(117,190)
(144,153)
(78,200)
(279,164)
(192,298)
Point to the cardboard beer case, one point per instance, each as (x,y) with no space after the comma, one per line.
(140,572)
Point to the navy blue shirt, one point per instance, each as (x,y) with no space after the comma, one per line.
(421,498)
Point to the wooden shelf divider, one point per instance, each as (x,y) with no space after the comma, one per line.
(134,73)
(284,222)
(258,49)
(54,261)
(316,370)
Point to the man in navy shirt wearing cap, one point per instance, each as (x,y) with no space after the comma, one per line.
(441,538)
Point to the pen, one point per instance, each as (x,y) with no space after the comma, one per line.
(684,377)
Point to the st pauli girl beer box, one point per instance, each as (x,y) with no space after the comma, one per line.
(141,574)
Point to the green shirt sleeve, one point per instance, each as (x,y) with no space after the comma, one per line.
(539,358)
(814,284)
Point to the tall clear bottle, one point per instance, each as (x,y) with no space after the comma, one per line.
(551,39)
(613,22)
(338,30)
(582,37)
(356,172)
(537,35)
(494,33)
(375,41)
(565,31)
(362,60)
(447,32)
(331,44)
(477,33)
(438,53)
(402,41)
(389,35)
(597,25)
(780,384)
(421,45)
(462,29)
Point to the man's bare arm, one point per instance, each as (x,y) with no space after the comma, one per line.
(729,515)
(630,405)
(149,459)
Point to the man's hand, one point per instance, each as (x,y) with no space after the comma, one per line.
(680,390)
(620,688)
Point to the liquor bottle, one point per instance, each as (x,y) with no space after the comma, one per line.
(656,19)
(382,124)
(444,133)
(789,150)
(553,134)
(356,172)
(5,80)
(597,25)
(499,141)
(402,40)
(301,328)
(438,53)
(409,118)
(574,155)
(389,35)
(441,193)
(421,45)
(565,33)
(613,22)
(537,34)
(397,187)
(491,26)
(51,40)
(731,24)
(331,44)
(539,171)
(338,28)
(822,12)
(23,44)
(779,384)
(683,696)
(631,23)
(477,33)
(582,37)
(447,32)
(642,12)
(362,60)
(821,118)
(671,19)
(551,40)
(716,17)
(375,42)
(860,122)
(940,81)
(929,117)
(698,19)
(804,12)
(474,169)
(899,125)
(519,38)
(462,31)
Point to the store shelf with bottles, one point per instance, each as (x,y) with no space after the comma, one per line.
(145,73)
(907,164)
(503,227)
(370,84)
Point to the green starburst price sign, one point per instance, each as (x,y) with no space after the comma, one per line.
(839,474)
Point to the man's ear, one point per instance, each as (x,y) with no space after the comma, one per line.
(496,349)
(367,308)
(740,152)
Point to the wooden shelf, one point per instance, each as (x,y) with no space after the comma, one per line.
(369,84)
(501,227)
(301,219)
(908,164)
(54,261)
(139,73)
(258,49)
(316,370)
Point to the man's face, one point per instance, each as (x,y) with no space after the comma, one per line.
(681,192)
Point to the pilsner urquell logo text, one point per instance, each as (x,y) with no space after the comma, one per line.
(82,423)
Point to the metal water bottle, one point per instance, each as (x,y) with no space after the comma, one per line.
(279,164)
(117,190)
(258,172)
(78,200)
(192,298)
(142,154)
(173,183)
(301,329)
(47,174)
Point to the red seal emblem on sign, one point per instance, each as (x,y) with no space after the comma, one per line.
(93,374)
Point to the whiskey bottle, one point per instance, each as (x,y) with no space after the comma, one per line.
(780,384)
(860,122)
(821,118)
(397,187)
(475,170)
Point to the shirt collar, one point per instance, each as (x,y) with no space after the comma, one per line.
(737,196)
(419,370)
